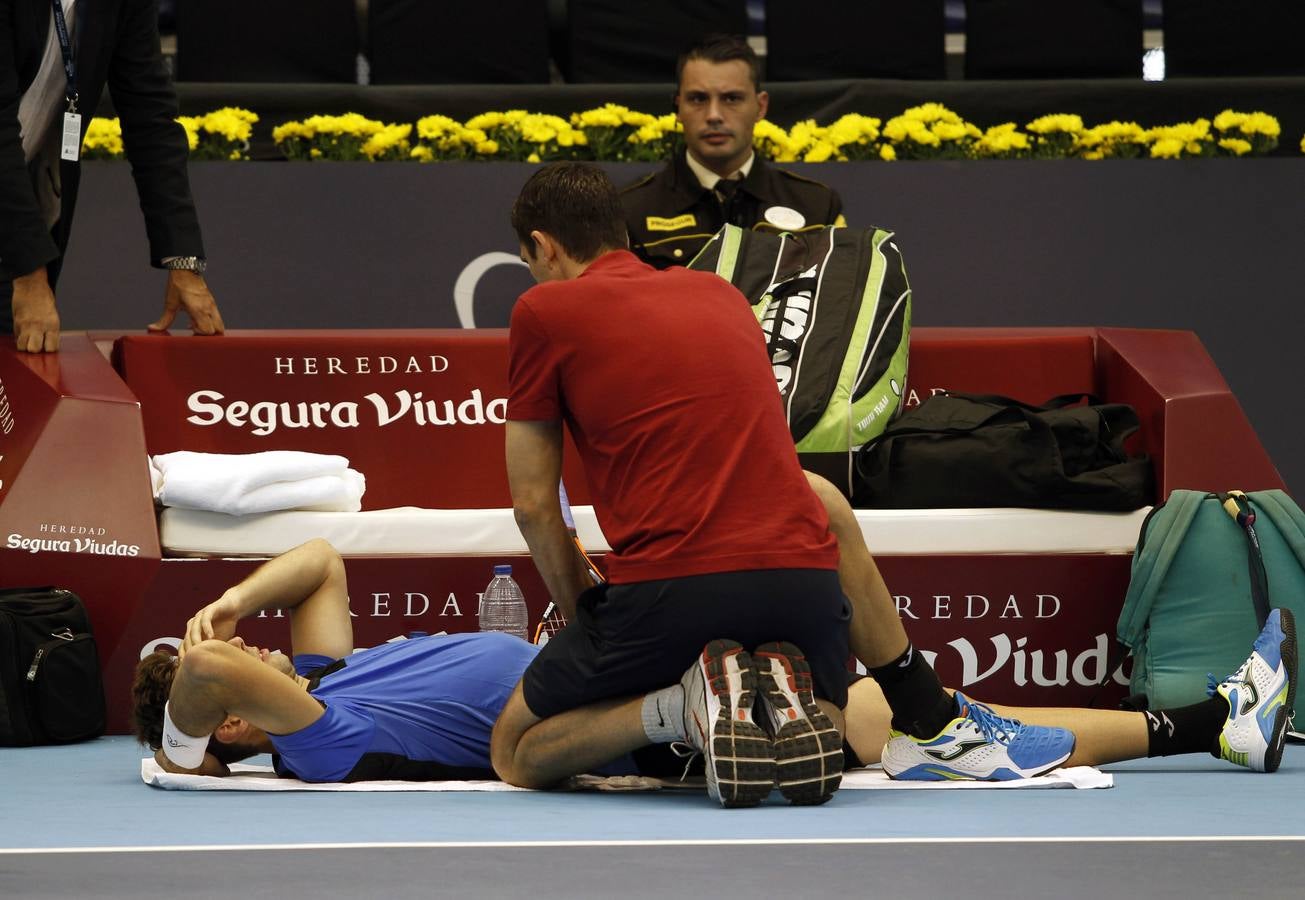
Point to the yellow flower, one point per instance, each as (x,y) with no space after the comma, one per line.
(901,129)
(1191,138)
(948,131)
(1167,148)
(191,124)
(1236,145)
(1058,122)
(435,127)
(389,141)
(315,153)
(928,113)
(1261,123)
(232,123)
(1228,119)
(103,139)
(819,152)
(1002,140)
(533,158)
(853,129)
(887,153)
(286,131)
(1302,145)
(421,153)
(485,121)
(609,116)
(1112,139)
(771,141)
(487,148)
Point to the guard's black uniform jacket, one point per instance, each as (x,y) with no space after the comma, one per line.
(670,215)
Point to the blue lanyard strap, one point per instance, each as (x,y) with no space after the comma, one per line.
(65,47)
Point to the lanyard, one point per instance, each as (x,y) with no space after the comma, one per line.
(65,47)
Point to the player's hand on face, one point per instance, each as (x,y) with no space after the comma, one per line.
(210,766)
(216,621)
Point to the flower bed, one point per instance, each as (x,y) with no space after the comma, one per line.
(615,133)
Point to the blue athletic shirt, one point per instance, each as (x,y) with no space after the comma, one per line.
(419,709)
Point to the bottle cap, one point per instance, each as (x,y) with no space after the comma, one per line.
(502,570)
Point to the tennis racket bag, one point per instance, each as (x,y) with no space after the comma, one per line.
(1206,572)
(50,686)
(835,306)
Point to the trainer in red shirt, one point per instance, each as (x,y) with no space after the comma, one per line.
(663,380)
(720,545)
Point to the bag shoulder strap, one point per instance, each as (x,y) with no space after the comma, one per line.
(1242,510)
(1158,540)
(1286,516)
(1158,543)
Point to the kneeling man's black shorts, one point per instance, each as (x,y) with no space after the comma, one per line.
(629,639)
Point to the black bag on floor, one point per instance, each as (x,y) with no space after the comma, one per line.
(969,450)
(50,686)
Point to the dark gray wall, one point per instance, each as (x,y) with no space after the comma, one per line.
(1207,245)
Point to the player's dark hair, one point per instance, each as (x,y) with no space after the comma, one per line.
(576,204)
(150,689)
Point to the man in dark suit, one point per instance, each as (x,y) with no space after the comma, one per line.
(716,178)
(114,42)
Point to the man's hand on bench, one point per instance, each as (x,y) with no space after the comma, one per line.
(188,290)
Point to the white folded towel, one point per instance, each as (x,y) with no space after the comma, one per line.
(241,484)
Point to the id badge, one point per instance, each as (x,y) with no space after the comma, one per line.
(72,137)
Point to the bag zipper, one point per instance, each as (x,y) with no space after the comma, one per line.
(65,635)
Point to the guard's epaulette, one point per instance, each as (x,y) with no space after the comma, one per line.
(640,183)
(796,177)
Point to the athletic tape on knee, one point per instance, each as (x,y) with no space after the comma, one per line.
(183,749)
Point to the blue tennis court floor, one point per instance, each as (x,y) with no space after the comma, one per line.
(79,822)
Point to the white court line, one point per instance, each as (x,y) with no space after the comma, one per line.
(754,842)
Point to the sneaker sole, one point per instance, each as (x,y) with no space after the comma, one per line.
(741,764)
(1278,737)
(808,748)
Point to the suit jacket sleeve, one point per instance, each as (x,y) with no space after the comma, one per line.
(25,242)
(155,142)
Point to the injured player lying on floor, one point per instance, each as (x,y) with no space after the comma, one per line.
(424,709)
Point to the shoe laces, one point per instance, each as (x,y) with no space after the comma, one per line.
(994,727)
(686,752)
(1241,676)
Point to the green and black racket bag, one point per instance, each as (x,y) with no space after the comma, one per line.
(1207,570)
(835,306)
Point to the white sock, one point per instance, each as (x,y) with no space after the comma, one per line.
(663,715)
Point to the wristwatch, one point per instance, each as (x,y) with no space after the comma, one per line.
(196,264)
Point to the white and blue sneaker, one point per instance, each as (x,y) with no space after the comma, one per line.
(978,745)
(1261,696)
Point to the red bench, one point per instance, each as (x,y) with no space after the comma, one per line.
(419,413)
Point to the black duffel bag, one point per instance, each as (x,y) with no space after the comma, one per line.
(50,686)
(967,450)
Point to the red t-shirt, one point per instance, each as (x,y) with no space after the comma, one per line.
(664,382)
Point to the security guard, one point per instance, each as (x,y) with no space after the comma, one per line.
(717,178)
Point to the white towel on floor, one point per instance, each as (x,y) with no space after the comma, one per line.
(246,777)
(241,484)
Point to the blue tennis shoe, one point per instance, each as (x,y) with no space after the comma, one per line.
(1261,696)
(977,745)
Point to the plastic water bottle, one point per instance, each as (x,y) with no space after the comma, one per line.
(503,607)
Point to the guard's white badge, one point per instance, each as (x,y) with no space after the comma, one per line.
(784,218)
